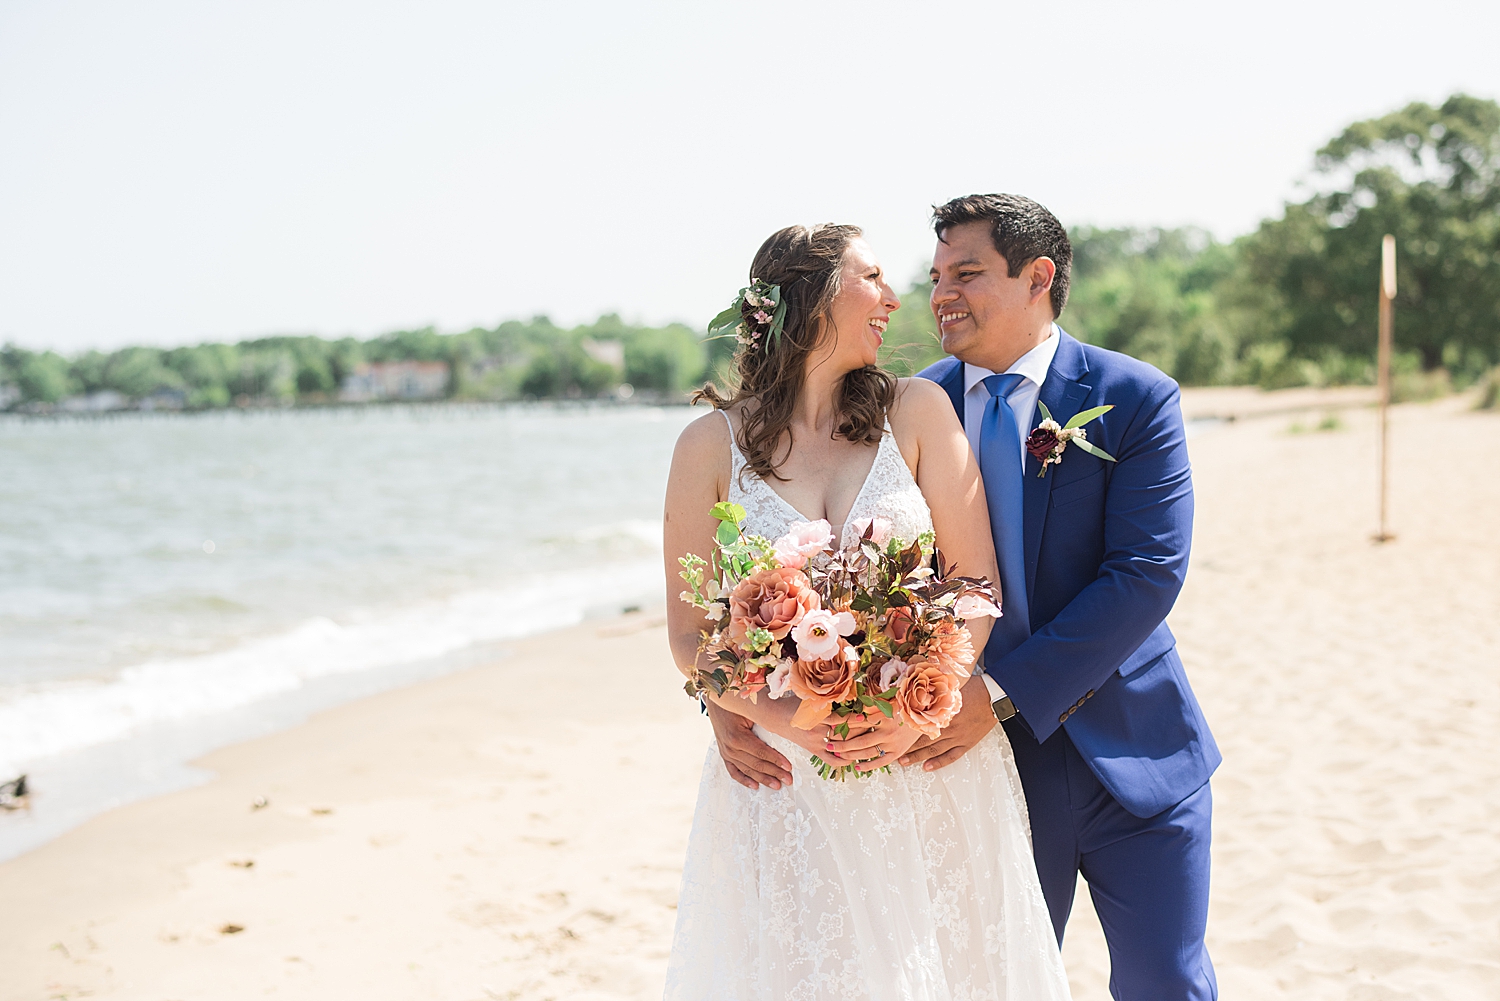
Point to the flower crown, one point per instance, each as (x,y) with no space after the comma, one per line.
(756,317)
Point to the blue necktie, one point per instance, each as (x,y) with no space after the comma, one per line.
(1000,465)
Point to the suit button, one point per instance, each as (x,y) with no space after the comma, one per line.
(1079,704)
(1063,718)
(1090,694)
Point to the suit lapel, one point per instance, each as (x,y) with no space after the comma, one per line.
(952,382)
(1063,392)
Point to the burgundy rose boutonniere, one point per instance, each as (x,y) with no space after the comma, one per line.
(1050,438)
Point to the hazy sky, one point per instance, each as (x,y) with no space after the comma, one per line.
(171,172)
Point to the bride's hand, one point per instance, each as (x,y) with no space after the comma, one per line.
(814,741)
(876,747)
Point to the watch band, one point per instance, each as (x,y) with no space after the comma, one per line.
(1004,708)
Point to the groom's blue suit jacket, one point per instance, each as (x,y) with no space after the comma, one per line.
(1106,554)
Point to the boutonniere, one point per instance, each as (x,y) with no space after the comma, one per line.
(1050,438)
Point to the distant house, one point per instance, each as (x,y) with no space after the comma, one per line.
(396,380)
(611,353)
(95,403)
(163,399)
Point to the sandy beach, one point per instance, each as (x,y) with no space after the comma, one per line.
(504,833)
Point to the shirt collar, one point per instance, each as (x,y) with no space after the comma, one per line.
(1034,364)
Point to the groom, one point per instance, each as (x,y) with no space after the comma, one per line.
(1113,751)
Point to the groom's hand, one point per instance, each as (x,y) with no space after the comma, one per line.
(974,721)
(749,760)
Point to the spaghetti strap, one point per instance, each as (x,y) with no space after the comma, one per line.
(736,458)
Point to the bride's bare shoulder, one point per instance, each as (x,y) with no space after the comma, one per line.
(920,416)
(704,444)
(921,405)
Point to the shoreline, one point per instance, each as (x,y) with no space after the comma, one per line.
(157,757)
(354,804)
(1205,403)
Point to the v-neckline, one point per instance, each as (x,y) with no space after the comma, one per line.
(864,485)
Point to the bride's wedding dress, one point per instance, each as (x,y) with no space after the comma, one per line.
(916,885)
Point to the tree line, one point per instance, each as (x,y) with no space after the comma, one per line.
(1292,303)
(515,360)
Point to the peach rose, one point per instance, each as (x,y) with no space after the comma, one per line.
(898,623)
(927,697)
(774,600)
(950,647)
(821,683)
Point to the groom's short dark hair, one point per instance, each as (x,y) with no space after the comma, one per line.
(1022,229)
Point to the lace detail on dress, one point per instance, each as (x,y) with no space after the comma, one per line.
(912,886)
(889,491)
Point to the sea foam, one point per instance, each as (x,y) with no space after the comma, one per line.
(39,721)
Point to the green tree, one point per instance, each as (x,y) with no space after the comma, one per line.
(88,371)
(138,372)
(1428,175)
(206,369)
(41,376)
(665,359)
(1151,293)
(558,366)
(266,372)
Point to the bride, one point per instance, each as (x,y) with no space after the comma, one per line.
(916,884)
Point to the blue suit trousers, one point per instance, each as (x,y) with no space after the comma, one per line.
(1148,877)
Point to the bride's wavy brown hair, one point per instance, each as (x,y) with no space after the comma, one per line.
(807,262)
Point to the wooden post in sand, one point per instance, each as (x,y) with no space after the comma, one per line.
(1383,365)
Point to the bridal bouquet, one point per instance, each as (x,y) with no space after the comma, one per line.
(870,628)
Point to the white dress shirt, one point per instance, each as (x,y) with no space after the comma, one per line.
(1034,365)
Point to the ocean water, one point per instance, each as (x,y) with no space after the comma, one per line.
(171,583)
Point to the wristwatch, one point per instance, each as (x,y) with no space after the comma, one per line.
(999,701)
